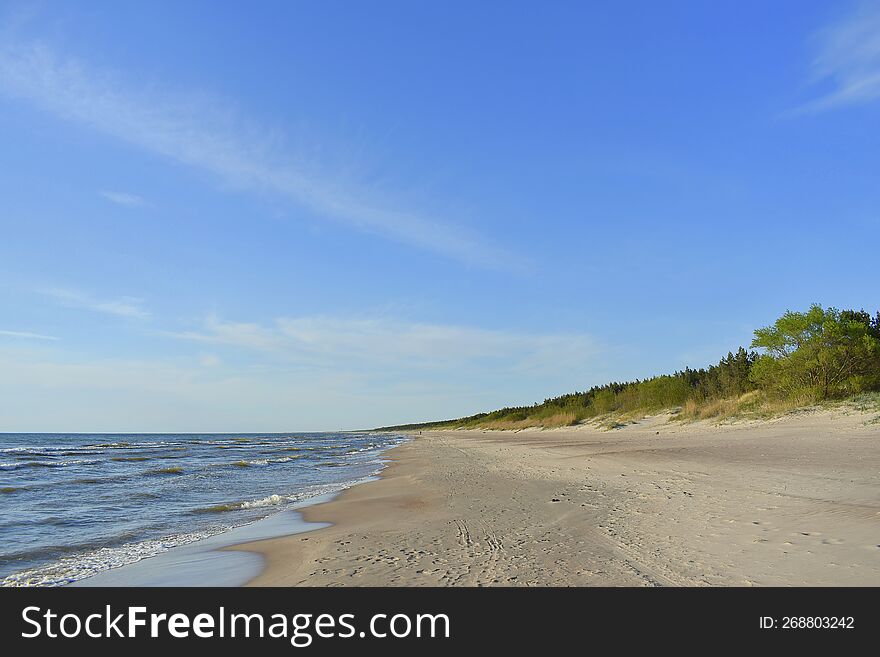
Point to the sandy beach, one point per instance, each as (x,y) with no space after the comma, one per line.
(792,501)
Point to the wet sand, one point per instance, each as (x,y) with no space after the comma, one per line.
(794,501)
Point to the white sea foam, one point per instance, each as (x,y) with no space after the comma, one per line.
(285,459)
(47,464)
(70,569)
(272,500)
(276,500)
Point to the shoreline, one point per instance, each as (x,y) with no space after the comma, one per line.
(216,560)
(383,491)
(82,505)
(793,501)
(211,561)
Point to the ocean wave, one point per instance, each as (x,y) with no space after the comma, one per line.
(246,464)
(35,486)
(24,449)
(271,500)
(162,471)
(91,562)
(50,521)
(46,464)
(158,444)
(277,500)
(91,448)
(286,459)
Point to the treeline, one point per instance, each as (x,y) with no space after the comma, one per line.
(800,359)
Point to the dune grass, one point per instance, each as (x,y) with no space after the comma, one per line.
(755,404)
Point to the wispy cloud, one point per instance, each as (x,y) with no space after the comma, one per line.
(122,198)
(200,135)
(236,334)
(388,343)
(848,60)
(27,335)
(122,307)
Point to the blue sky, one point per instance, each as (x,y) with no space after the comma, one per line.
(321,215)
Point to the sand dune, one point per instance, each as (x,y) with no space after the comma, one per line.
(795,501)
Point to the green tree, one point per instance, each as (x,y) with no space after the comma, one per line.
(824,350)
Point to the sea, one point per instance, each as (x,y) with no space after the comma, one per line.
(75,505)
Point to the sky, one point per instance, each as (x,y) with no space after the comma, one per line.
(291,216)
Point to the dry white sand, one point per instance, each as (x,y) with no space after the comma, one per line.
(794,501)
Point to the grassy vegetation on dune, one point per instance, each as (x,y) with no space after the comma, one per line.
(866,402)
(755,404)
(803,359)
